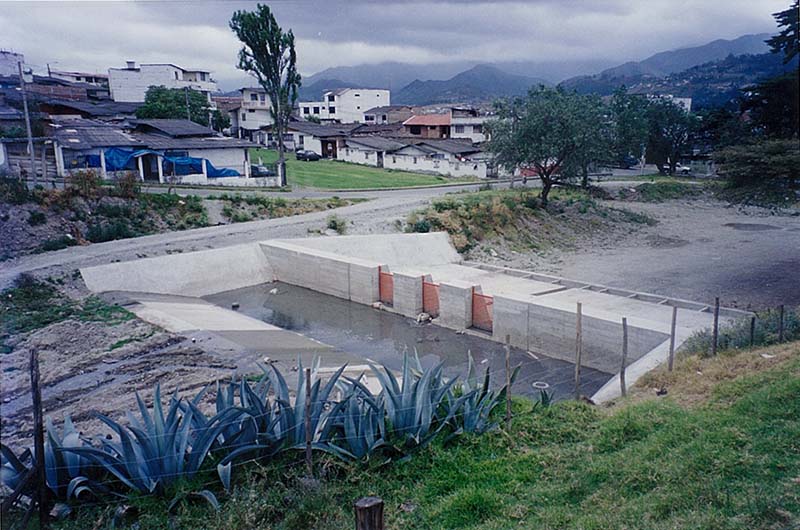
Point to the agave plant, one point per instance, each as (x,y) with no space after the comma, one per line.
(66,474)
(416,407)
(151,455)
(475,417)
(363,424)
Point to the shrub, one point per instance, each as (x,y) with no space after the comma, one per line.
(37,218)
(421,225)
(58,243)
(336,223)
(737,334)
(86,183)
(128,185)
(102,232)
(14,191)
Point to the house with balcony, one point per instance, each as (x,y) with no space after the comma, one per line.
(130,84)
(467,124)
(252,115)
(344,105)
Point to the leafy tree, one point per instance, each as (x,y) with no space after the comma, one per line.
(162,102)
(788,39)
(220,120)
(722,127)
(594,139)
(630,124)
(671,129)
(773,106)
(548,131)
(268,54)
(772,162)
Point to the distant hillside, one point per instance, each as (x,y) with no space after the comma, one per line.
(480,83)
(665,63)
(391,75)
(313,91)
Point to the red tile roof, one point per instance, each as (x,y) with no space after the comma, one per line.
(429,119)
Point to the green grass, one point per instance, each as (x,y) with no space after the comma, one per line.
(32,305)
(663,190)
(730,463)
(332,174)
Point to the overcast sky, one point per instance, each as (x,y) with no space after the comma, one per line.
(96,35)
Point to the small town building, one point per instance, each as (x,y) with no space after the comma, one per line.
(251,115)
(105,110)
(428,126)
(80,77)
(467,123)
(452,158)
(388,114)
(344,105)
(131,83)
(369,150)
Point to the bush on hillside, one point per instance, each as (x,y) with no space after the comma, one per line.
(770,164)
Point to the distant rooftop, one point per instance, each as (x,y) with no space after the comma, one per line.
(428,120)
(175,127)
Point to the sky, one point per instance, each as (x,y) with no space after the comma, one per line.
(93,36)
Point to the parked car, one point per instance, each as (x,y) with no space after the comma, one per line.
(628,162)
(261,171)
(682,170)
(308,156)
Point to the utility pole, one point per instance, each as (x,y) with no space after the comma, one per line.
(27,123)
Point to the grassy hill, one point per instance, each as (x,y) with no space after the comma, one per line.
(718,451)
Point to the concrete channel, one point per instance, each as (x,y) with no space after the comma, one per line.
(360,296)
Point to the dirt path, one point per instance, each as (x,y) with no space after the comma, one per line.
(700,249)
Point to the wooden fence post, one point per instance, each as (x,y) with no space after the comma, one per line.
(38,438)
(578,351)
(309,468)
(624,356)
(780,324)
(672,337)
(752,332)
(715,331)
(508,382)
(369,513)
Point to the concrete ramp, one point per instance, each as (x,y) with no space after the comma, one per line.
(190,274)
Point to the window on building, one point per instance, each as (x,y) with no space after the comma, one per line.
(176,75)
(383,117)
(369,117)
(366,155)
(316,110)
(459,128)
(331,110)
(394,160)
(202,76)
(253,97)
(331,98)
(263,98)
(415,129)
(301,140)
(432,127)
(477,129)
(357,95)
(306,110)
(244,116)
(251,110)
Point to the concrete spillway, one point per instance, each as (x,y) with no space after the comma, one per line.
(413,273)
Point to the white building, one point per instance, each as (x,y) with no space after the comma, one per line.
(80,77)
(345,105)
(131,83)
(252,115)
(467,124)
(8,66)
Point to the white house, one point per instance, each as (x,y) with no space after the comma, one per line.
(449,157)
(369,150)
(131,83)
(252,116)
(8,65)
(345,105)
(80,77)
(466,123)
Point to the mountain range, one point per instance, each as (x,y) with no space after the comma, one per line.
(470,83)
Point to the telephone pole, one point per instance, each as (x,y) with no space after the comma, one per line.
(27,123)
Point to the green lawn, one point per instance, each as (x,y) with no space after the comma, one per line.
(332,174)
(730,462)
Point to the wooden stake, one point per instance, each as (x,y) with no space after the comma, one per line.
(752,332)
(672,337)
(369,513)
(780,324)
(715,335)
(508,382)
(38,438)
(624,356)
(578,351)
(309,468)
(27,123)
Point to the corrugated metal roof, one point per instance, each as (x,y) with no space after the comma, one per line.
(161,142)
(88,134)
(175,128)
(375,142)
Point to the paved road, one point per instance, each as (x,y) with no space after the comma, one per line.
(370,216)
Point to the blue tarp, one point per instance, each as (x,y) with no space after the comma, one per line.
(118,159)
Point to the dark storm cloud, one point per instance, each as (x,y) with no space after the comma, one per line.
(96,35)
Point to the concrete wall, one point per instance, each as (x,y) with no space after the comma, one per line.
(233,158)
(192,274)
(426,164)
(408,292)
(455,304)
(344,277)
(363,156)
(552,331)
(398,250)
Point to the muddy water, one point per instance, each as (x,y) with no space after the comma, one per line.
(382,337)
